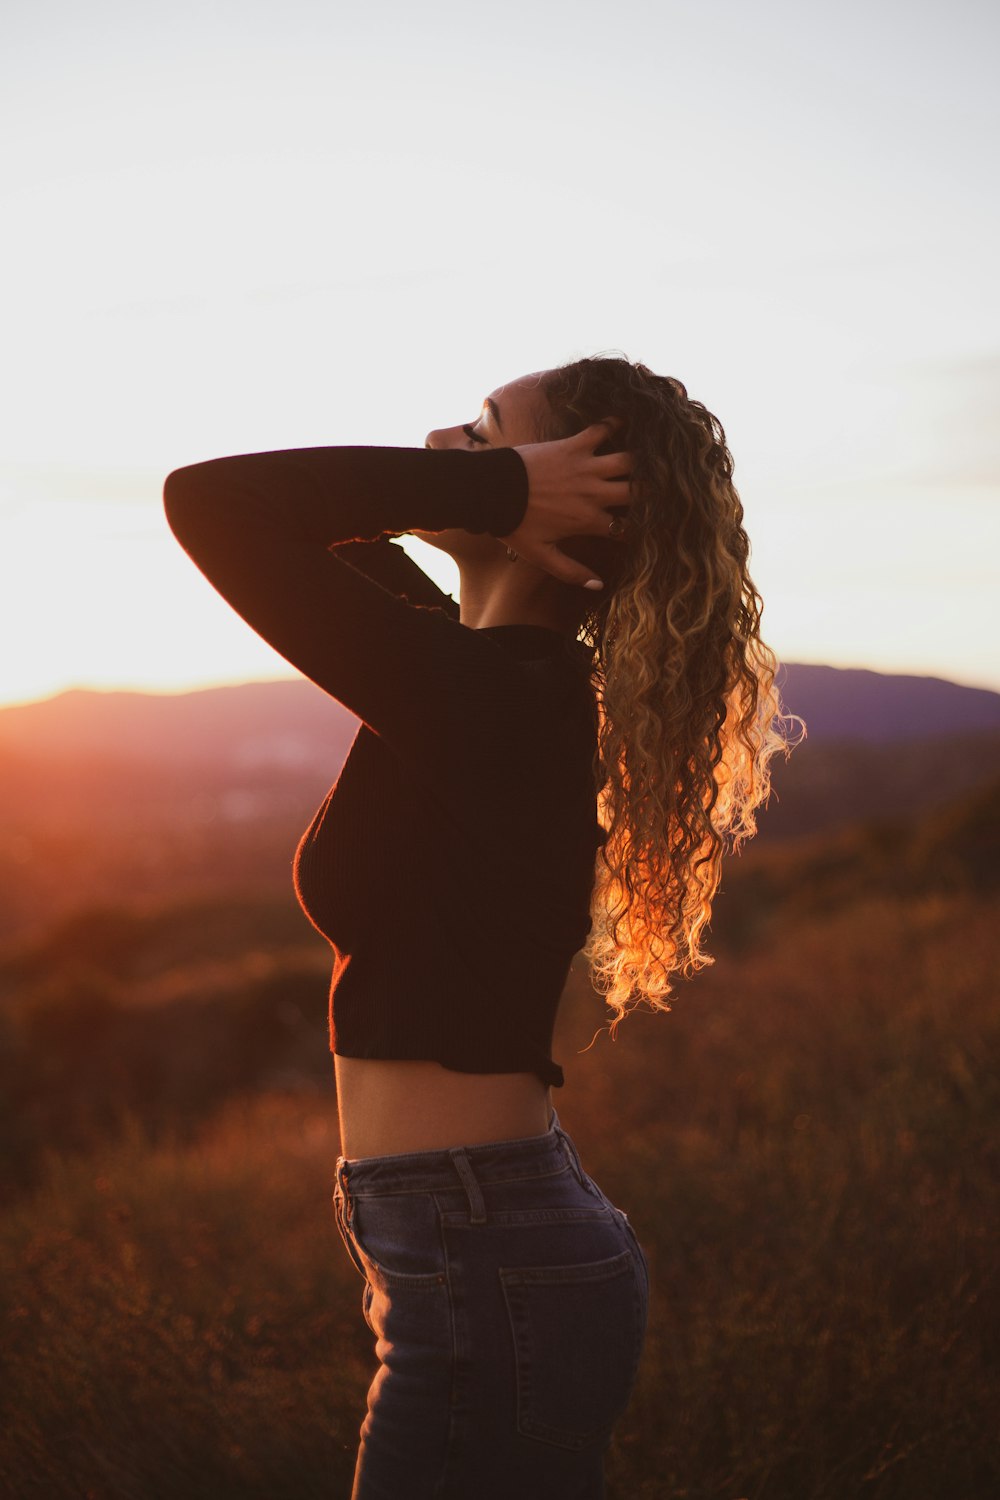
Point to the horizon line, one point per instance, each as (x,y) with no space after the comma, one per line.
(212,685)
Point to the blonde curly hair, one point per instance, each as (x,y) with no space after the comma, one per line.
(688,714)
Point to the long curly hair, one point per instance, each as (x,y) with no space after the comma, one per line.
(688,713)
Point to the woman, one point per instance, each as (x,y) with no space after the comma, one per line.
(601,699)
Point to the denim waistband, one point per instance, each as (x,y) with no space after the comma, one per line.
(465,1166)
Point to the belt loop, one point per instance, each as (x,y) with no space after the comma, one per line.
(573,1156)
(477,1206)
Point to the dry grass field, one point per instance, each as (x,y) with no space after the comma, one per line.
(807,1146)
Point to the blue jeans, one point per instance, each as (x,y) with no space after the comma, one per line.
(509,1299)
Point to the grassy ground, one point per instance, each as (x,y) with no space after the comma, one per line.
(807,1146)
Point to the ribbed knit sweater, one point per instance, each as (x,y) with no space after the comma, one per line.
(451,864)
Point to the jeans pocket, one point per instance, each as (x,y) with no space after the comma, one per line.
(398,1237)
(578,1333)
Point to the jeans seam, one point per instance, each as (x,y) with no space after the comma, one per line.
(442,1487)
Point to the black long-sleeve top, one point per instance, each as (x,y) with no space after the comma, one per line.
(451,864)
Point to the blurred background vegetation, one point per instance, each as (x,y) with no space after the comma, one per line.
(807,1145)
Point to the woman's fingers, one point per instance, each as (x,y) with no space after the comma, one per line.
(606,466)
(603,523)
(563,567)
(598,521)
(575,490)
(610,465)
(612,481)
(599,432)
(612,490)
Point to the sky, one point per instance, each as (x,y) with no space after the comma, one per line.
(240,227)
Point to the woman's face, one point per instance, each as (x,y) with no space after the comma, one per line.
(509,417)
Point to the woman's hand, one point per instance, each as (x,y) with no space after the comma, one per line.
(569,491)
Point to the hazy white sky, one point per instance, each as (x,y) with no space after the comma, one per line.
(249,226)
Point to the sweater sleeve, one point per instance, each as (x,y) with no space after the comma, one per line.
(261,526)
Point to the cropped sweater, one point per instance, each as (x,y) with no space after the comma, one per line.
(451,864)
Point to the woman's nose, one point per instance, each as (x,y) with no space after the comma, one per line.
(443,437)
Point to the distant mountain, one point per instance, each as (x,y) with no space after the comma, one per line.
(158,796)
(878,708)
(289,723)
(293,724)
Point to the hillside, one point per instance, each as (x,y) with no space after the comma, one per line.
(292,723)
(161,1008)
(880,708)
(184,795)
(805,1145)
(286,723)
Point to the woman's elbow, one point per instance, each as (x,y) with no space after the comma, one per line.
(183,493)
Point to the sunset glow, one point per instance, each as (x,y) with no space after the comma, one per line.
(246,229)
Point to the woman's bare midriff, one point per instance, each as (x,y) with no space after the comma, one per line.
(390,1106)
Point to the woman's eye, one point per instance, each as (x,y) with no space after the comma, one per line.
(467,429)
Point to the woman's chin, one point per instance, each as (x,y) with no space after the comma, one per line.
(444,541)
(462,546)
(436,539)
